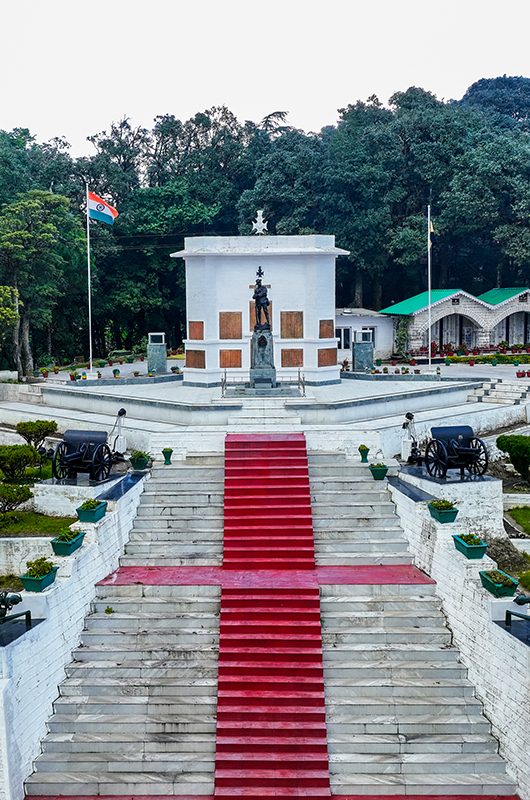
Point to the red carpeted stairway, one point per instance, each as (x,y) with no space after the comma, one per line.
(271,726)
(267,506)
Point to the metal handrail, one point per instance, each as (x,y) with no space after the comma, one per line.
(509,614)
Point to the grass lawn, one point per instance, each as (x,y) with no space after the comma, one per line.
(10,583)
(521,515)
(29,523)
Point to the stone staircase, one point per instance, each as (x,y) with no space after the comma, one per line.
(401,715)
(264,414)
(136,714)
(180,518)
(502,391)
(354,518)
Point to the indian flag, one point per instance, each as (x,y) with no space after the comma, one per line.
(100,210)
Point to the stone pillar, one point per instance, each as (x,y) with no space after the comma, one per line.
(262,371)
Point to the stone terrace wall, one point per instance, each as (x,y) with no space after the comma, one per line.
(32,667)
(498,664)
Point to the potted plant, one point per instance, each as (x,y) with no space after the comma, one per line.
(442,510)
(44,372)
(139,460)
(499,583)
(91,510)
(364,450)
(175,370)
(110,362)
(56,370)
(378,471)
(130,359)
(116,372)
(136,374)
(167,453)
(470,545)
(67,541)
(39,574)
(520,373)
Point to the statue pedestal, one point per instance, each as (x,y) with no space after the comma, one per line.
(262,372)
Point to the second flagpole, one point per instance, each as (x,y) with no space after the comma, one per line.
(89,280)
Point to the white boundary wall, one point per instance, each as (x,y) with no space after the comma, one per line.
(498,664)
(32,667)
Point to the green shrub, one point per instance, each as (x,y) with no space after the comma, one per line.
(498,577)
(138,454)
(100,363)
(36,432)
(89,505)
(518,449)
(39,567)
(524,579)
(67,535)
(471,538)
(14,458)
(441,505)
(12,496)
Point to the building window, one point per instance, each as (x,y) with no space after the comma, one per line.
(455,301)
(344,337)
(523,298)
(369,338)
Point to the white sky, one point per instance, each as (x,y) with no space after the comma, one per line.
(70,67)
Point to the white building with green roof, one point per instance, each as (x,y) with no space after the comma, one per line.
(460,318)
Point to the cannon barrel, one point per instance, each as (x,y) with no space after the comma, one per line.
(74,439)
(454,433)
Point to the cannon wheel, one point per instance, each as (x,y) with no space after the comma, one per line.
(480,464)
(436,459)
(60,468)
(101,463)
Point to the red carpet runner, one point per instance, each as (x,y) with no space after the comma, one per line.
(267,506)
(271,726)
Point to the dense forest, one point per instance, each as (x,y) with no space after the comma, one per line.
(367,180)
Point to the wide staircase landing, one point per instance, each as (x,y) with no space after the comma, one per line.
(298,666)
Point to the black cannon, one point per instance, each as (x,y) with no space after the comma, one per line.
(83,451)
(455,447)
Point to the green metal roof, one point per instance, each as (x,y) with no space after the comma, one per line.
(420,301)
(496,296)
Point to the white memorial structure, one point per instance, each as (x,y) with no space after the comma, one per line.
(299,274)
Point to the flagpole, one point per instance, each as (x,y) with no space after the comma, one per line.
(429,287)
(89,279)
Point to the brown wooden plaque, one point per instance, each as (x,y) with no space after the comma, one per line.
(230,325)
(327,357)
(196,359)
(292,324)
(229,358)
(327,329)
(292,357)
(196,330)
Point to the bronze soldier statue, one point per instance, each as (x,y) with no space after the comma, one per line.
(261,302)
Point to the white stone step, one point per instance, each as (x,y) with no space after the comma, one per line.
(134,743)
(119,783)
(157,763)
(363,559)
(386,546)
(396,743)
(119,623)
(171,561)
(132,723)
(429,784)
(154,686)
(417,763)
(151,706)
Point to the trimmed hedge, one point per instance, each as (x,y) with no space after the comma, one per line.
(36,432)
(500,358)
(518,449)
(14,458)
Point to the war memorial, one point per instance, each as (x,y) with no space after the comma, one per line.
(271,607)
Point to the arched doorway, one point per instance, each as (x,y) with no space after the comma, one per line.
(456,329)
